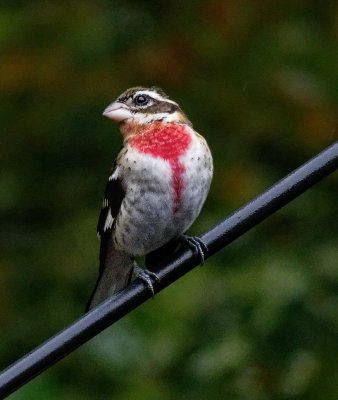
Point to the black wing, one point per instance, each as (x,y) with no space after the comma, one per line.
(113,196)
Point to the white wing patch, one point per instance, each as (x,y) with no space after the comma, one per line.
(115,174)
(109,221)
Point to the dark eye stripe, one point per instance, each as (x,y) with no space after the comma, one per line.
(124,98)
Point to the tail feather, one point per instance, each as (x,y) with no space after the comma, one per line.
(114,276)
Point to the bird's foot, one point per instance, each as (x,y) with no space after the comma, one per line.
(197,245)
(146,276)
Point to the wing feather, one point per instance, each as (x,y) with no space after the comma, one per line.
(113,196)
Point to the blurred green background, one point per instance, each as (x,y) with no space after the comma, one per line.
(259,80)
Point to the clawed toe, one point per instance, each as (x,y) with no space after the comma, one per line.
(146,276)
(197,245)
(152,275)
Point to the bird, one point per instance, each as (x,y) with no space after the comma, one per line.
(157,186)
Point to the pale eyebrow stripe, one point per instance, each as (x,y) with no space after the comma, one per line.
(154,95)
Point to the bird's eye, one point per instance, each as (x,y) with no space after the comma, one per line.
(141,100)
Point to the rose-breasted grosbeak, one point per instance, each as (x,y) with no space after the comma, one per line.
(156,189)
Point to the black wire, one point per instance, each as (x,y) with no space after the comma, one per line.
(168,269)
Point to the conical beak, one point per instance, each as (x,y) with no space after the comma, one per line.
(117,111)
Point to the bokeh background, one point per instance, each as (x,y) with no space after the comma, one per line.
(259,80)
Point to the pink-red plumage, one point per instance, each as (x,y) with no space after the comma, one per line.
(168,142)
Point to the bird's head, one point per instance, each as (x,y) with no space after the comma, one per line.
(140,106)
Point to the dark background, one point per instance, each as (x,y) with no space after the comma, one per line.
(259,79)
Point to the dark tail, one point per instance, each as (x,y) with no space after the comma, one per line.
(114,275)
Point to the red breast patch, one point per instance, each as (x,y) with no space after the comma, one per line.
(169,142)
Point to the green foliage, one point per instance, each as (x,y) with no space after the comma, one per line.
(259,80)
